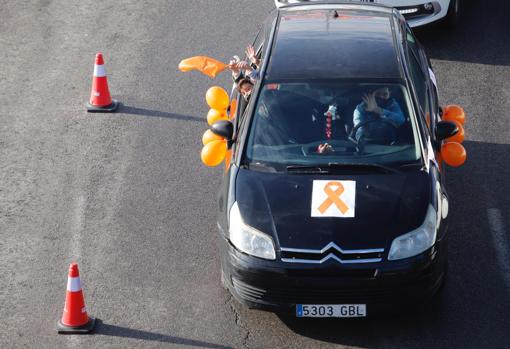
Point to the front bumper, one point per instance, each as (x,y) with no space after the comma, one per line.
(279,286)
(419,15)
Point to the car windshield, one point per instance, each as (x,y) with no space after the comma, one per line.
(312,124)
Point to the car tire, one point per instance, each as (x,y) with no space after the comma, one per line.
(453,15)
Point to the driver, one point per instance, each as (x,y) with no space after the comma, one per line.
(378,106)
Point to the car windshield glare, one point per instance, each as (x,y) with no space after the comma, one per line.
(333,122)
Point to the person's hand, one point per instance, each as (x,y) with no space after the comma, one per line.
(243,66)
(233,67)
(370,103)
(324,148)
(250,53)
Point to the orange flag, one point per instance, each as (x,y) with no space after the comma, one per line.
(207,65)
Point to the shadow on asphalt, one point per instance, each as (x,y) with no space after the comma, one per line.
(472,311)
(481,36)
(118,331)
(126,109)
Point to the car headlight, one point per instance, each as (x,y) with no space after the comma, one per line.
(416,241)
(248,239)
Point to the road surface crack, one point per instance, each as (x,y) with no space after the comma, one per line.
(239,323)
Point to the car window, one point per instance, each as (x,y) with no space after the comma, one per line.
(291,121)
(242,103)
(434,108)
(258,43)
(418,61)
(420,85)
(419,82)
(412,44)
(241,123)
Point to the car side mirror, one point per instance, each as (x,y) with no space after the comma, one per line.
(445,129)
(223,128)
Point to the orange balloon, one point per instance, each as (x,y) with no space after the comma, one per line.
(459,137)
(209,136)
(213,153)
(453,153)
(217,98)
(454,113)
(214,115)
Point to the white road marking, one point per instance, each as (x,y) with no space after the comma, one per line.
(501,243)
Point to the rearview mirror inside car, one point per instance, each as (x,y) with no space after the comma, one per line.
(446,129)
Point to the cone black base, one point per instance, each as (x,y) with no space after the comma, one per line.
(84,329)
(106,109)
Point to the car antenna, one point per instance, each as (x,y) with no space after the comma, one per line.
(335,14)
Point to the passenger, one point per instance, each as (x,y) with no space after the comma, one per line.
(245,86)
(241,69)
(378,105)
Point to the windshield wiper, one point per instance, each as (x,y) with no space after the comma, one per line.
(363,166)
(259,166)
(326,168)
(315,169)
(412,165)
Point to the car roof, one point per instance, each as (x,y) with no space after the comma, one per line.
(338,41)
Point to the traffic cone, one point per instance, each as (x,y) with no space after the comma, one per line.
(75,318)
(100,100)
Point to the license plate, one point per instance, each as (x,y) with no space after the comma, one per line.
(331,310)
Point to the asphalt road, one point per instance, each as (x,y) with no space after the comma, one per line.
(127,197)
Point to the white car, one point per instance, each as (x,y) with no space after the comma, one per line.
(416,12)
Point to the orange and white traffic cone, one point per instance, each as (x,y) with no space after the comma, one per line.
(100,100)
(75,318)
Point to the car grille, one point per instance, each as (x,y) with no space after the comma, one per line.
(331,252)
(373,293)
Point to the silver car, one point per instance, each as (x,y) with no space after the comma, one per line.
(416,12)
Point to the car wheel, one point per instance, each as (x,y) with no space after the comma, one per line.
(452,18)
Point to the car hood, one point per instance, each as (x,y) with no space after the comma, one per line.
(386,206)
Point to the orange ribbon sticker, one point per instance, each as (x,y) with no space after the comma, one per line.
(333,197)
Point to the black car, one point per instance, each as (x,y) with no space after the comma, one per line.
(334,203)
